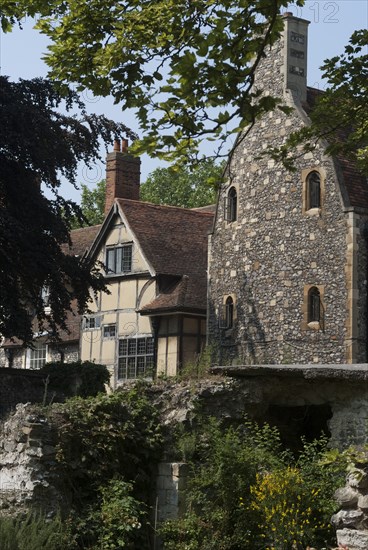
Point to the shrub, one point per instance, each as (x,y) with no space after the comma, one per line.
(84,379)
(35,532)
(224,465)
(102,436)
(246,492)
(290,513)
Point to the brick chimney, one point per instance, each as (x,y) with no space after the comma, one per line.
(122,175)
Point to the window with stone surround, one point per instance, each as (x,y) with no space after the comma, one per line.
(231,205)
(313,191)
(314,305)
(313,308)
(228,313)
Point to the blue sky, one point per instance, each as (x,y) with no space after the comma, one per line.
(332,23)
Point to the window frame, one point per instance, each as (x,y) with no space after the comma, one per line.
(111,266)
(104,330)
(87,322)
(132,359)
(310,321)
(314,305)
(228,312)
(39,360)
(313,190)
(309,206)
(231,205)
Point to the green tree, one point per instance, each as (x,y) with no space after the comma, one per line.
(38,146)
(187,67)
(186,188)
(92,205)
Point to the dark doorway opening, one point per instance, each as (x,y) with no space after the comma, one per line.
(310,422)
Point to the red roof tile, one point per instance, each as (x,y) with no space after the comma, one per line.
(174,241)
(81,240)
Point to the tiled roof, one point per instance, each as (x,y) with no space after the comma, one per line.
(186,295)
(81,240)
(174,241)
(355,184)
(72,322)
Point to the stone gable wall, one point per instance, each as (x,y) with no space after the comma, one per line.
(270,255)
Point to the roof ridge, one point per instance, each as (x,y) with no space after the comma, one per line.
(167,206)
(86,227)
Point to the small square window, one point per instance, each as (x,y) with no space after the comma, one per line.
(109,331)
(91,323)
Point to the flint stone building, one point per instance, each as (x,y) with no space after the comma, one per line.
(287,276)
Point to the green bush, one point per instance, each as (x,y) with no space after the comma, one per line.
(35,532)
(84,379)
(245,491)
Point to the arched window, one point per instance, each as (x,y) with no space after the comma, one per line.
(232,200)
(314,190)
(229,312)
(314,305)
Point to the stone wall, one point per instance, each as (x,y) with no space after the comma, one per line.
(29,475)
(170,485)
(351,522)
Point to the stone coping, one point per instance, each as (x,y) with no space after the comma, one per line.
(356,372)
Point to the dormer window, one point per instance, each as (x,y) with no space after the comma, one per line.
(231,206)
(119,259)
(314,190)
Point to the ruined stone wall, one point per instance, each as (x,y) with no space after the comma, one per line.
(29,474)
(351,521)
(275,250)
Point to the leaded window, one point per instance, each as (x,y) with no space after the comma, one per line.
(135,357)
(38,355)
(119,259)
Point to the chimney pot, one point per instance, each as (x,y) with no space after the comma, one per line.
(117,145)
(124,146)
